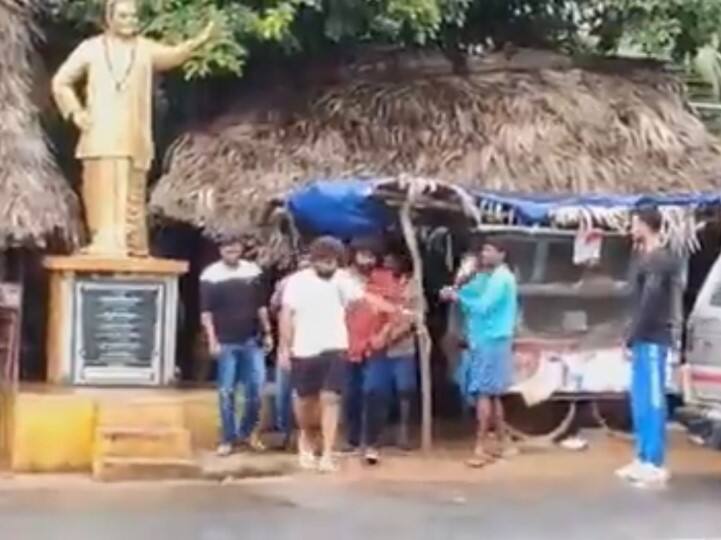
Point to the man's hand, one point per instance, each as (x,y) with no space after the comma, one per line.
(448,294)
(214,348)
(283,357)
(81,119)
(206,34)
(268,342)
(379,340)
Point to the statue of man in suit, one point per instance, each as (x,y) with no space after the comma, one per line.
(115,121)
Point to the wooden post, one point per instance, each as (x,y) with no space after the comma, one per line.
(424,338)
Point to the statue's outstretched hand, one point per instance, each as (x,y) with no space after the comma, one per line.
(207,33)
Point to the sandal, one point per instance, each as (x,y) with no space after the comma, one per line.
(480,460)
(505,452)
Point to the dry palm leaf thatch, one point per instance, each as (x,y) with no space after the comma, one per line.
(35,199)
(565,129)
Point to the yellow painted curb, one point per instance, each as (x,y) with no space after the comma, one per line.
(56,431)
(52,433)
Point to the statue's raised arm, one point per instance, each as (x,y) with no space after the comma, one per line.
(172,56)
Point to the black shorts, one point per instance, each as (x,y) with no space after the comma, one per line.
(325,372)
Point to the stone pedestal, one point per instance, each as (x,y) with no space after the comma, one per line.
(112,322)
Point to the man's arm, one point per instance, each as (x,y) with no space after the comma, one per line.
(380,304)
(647,305)
(63,84)
(266,328)
(206,320)
(264,319)
(493,293)
(286,321)
(206,316)
(167,57)
(276,298)
(285,335)
(395,329)
(466,271)
(353,291)
(400,327)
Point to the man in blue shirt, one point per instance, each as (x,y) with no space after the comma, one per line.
(489,304)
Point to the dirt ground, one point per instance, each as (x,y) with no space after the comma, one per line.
(604,455)
(446,464)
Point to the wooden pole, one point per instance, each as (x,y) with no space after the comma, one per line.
(424,338)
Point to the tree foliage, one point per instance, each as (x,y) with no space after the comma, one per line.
(242,24)
(685,30)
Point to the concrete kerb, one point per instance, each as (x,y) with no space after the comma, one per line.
(242,466)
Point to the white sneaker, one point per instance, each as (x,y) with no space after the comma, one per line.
(574,444)
(371,456)
(307,461)
(630,471)
(224,450)
(651,476)
(510,452)
(328,465)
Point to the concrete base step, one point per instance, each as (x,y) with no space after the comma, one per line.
(142,414)
(135,442)
(126,469)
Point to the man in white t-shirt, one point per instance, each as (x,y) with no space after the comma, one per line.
(314,343)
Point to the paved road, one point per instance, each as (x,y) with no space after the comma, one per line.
(320,510)
(538,497)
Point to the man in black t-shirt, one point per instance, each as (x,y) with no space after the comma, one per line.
(650,340)
(234,317)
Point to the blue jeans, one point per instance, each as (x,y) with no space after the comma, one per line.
(283,401)
(385,373)
(240,363)
(648,401)
(382,375)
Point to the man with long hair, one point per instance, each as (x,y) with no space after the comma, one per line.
(362,321)
(391,364)
(314,345)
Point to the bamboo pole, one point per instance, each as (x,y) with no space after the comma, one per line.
(424,338)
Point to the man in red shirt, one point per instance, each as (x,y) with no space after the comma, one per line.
(391,360)
(363,322)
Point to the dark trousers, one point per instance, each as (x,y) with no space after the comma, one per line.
(353,404)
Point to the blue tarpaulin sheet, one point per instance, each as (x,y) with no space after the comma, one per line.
(537,209)
(340,208)
(346,208)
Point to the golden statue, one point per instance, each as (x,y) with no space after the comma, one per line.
(115,123)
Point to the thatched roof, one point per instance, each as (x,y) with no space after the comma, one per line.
(507,125)
(35,199)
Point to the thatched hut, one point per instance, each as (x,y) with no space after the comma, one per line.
(38,209)
(36,202)
(521,121)
(534,122)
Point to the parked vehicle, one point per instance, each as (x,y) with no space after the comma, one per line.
(701,372)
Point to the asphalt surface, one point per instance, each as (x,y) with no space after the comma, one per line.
(535,497)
